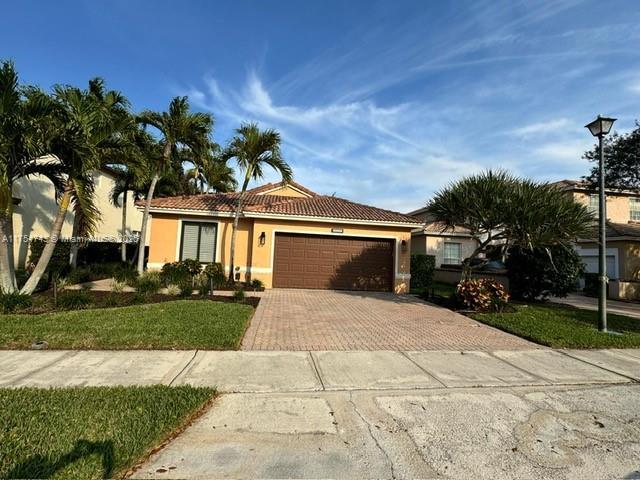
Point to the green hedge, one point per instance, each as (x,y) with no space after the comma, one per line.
(422,268)
(89,253)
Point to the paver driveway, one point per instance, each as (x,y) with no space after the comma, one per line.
(288,319)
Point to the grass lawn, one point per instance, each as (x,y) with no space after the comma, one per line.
(95,432)
(181,324)
(564,327)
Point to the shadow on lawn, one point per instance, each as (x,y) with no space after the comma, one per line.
(39,466)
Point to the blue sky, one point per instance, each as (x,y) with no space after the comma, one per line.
(380,102)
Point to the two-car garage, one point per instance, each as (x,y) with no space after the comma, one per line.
(333,262)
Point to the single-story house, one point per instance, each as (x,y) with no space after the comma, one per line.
(288,237)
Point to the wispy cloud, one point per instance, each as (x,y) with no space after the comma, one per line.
(402,111)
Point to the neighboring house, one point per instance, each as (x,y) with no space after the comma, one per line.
(623,237)
(449,247)
(288,237)
(36,208)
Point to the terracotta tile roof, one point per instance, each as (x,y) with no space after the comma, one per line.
(317,206)
(440,228)
(617,230)
(272,186)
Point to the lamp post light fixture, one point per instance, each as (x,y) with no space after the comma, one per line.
(600,127)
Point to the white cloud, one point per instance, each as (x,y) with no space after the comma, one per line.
(552,125)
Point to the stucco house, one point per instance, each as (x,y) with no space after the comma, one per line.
(623,237)
(449,247)
(35,209)
(288,237)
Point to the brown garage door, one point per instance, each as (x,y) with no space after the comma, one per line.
(332,262)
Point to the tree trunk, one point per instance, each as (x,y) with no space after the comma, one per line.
(7,267)
(123,247)
(145,220)
(47,252)
(75,244)
(234,231)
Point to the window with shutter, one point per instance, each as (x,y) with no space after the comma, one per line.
(199,241)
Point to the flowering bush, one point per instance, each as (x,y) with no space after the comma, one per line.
(482,295)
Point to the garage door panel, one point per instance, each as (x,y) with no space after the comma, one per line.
(330,262)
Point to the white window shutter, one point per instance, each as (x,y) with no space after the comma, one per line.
(207,243)
(190,241)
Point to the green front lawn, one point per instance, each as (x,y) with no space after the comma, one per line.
(95,432)
(181,324)
(564,327)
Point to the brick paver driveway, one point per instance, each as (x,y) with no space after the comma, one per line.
(336,320)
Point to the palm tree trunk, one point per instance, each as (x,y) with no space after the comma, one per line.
(145,220)
(234,230)
(75,244)
(123,247)
(7,267)
(47,252)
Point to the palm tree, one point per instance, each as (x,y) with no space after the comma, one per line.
(179,128)
(500,209)
(87,129)
(210,171)
(115,107)
(253,149)
(25,114)
(126,181)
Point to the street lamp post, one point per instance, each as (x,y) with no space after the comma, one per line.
(600,127)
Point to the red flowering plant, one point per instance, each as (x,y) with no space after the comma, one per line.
(482,295)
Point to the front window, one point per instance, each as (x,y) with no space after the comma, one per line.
(634,209)
(594,204)
(452,253)
(199,241)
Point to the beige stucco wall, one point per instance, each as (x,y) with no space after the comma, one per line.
(628,257)
(36,213)
(617,206)
(256,259)
(434,245)
(287,192)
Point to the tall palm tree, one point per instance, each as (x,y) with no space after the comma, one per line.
(87,129)
(25,128)
(253,150)
(180,129)
(210,171)
(115,108)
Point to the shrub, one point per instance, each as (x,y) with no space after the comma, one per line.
(173,289)
(186,290)
(193,267)
(149,283)
(257,284)
(215,273)
(538,272)
(126,273)
(117,287)
(78,275)
(176,273)
(203,284)
(74,299)
(238,295)
(10,302)
(422,268)
(112,300)
(592,285)
(482,295)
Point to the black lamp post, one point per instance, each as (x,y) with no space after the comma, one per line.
(600,127)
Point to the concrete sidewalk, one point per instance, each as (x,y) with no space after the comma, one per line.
(269,372)
(630,309)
